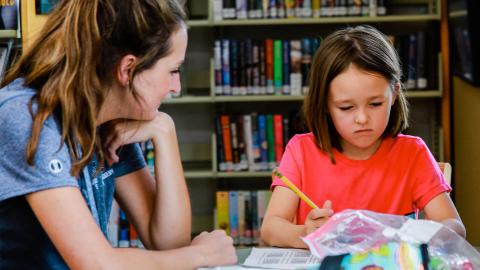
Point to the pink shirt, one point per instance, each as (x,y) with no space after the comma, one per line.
(400,178)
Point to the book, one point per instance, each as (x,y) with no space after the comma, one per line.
(45,6)
(233,215)
(277,66)
(222,221)
(9,15)
(5,51)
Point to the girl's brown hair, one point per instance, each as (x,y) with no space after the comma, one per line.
(72,61)
(369,50)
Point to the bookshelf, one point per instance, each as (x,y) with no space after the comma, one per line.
(195,110)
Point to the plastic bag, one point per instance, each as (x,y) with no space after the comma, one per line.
(357,231)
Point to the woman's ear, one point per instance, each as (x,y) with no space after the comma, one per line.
(125,66)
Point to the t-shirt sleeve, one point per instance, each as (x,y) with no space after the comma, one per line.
(130,159)
(52,163)
(429,180)
(289,165)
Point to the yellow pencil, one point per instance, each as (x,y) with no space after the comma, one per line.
(294,189)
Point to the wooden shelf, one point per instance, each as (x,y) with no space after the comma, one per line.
(9,34)
(192,174)
(322,20)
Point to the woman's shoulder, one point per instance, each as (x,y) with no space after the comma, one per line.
(16,113)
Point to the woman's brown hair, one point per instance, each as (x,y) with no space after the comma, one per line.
(369,50)
(72,61)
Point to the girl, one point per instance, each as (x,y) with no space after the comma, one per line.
(85,92)
(355,156)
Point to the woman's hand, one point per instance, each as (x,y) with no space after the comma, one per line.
(317,217)
(216,248)
(124,131)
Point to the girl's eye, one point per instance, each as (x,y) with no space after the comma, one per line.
(376,104)
(346,108)
(176,71)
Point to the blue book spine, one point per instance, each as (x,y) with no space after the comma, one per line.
(233,215)
(262,138)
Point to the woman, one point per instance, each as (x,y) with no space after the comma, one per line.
(72,109)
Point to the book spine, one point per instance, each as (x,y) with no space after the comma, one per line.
(286,67)
(217,56)
(234,137)
(290,8)
(316,8)
(234,67)
(306,62)
(270,142)
(229,11)
(217,10)
(296,67)
(242,151)
(241,9)
(278,135)
(256,67)
(277,66)
(263,69)
(262,135)
(247,134)
(222,211)
(222,166)
(412,61)
(422,80)
(233,215)
(227,141)
(226,67)
(244,67)
(269,65)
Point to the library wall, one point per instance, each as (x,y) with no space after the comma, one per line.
(466,113)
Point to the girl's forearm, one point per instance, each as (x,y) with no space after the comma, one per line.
(279,232)
(456,225)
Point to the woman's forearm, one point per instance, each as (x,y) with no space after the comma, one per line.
(171,220)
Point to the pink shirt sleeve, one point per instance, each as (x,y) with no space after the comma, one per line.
(428,181)
(289,165)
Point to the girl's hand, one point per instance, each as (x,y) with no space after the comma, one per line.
(216,248)
(317,217)
(124,131)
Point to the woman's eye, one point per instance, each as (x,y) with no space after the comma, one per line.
(176,71)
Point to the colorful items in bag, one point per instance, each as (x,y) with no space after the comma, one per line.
(393,255)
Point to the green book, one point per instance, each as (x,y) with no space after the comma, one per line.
(277,66)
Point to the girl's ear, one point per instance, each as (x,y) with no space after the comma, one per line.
(124,69)
(396,89)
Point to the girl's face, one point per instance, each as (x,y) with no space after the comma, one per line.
(359,104)
(153,85)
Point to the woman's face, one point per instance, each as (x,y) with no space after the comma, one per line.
(153,85)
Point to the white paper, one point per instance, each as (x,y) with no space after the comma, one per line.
(280,258)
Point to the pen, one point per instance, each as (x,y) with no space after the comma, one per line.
(295,189)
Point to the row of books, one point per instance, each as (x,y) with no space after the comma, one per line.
(240,213)
(252,142)
(259,67)
(121,233)
(277,9)
(417,59)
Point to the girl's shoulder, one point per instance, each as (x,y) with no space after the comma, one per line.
(302,139)
(408,141)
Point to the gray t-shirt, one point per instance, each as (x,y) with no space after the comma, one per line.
(23,242)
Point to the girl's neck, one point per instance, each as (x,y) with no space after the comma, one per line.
(356,153)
